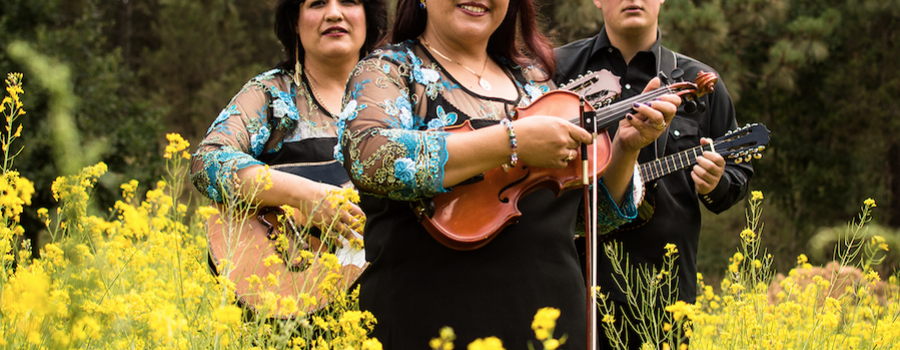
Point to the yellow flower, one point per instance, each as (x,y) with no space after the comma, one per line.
(371,344)
(272,259)
(670,249)
(872,276)
(869,202)
(607,318)
(551,344)
(802,259)
(490,343)
(176,145)
(748,235)
(288,305)
(756,195)
(680,310)
(545,318)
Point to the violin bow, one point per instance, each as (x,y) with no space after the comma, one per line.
(590,229)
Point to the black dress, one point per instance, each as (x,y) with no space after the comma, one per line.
(393,147)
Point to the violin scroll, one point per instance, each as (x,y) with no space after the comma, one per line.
(690,92)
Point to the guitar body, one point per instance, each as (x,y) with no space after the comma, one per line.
(245,241)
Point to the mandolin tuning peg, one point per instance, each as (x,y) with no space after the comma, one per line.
(738,160)
(757,156)
(747,158)
(701,107)
(761,148)
(677,74)
(690,107)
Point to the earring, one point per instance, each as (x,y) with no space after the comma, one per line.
(422,4)
(297,66)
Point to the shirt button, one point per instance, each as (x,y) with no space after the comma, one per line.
(627,86)
(677,133)
(610,49)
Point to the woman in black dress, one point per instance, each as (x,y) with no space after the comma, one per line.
(453,61)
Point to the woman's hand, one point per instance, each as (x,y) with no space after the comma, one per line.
(325,209)
(647,122)
(548,142)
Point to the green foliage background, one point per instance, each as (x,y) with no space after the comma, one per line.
(822,75)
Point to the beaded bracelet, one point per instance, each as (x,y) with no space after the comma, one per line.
(514,157)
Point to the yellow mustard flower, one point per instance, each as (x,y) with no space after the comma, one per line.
(869,202)
(490,343)
(748,235)
(756,195)
(670,249)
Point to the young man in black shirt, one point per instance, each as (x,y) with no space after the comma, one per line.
(629,47)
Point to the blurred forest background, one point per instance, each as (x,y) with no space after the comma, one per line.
(823,75)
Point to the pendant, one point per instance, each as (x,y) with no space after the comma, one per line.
(484,84)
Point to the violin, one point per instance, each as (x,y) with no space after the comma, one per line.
(476,211)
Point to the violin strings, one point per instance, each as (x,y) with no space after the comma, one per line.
(613,112)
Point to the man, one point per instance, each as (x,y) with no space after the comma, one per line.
(629,47)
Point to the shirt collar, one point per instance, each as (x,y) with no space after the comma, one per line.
(602,43)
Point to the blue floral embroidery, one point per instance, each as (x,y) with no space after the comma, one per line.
(283,105)
(267,75)
(401,110)
(443,119)
(405,170)
(349,113)
(534,92)
(219,124)
(425,76)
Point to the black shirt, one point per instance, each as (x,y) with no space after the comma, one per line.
(676,217)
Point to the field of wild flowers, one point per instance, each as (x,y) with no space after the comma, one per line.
(139,279)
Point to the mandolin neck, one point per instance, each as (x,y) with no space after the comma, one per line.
(658,168)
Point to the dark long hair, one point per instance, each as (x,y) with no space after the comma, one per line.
(288,11)
(411,20)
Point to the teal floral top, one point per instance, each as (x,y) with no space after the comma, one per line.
(399,100)
(269,121)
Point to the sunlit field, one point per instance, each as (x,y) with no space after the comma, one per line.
(139,278)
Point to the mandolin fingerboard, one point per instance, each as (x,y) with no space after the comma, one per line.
(669,164)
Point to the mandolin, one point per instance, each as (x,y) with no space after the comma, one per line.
(248,239)
(739,145)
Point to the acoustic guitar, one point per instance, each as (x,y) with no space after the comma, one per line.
(271,255)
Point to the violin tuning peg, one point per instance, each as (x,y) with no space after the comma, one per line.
(701,107)
(690,107)
(663,78)
(677,74)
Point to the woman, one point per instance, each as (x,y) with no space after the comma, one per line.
(452,61)
(288,115)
